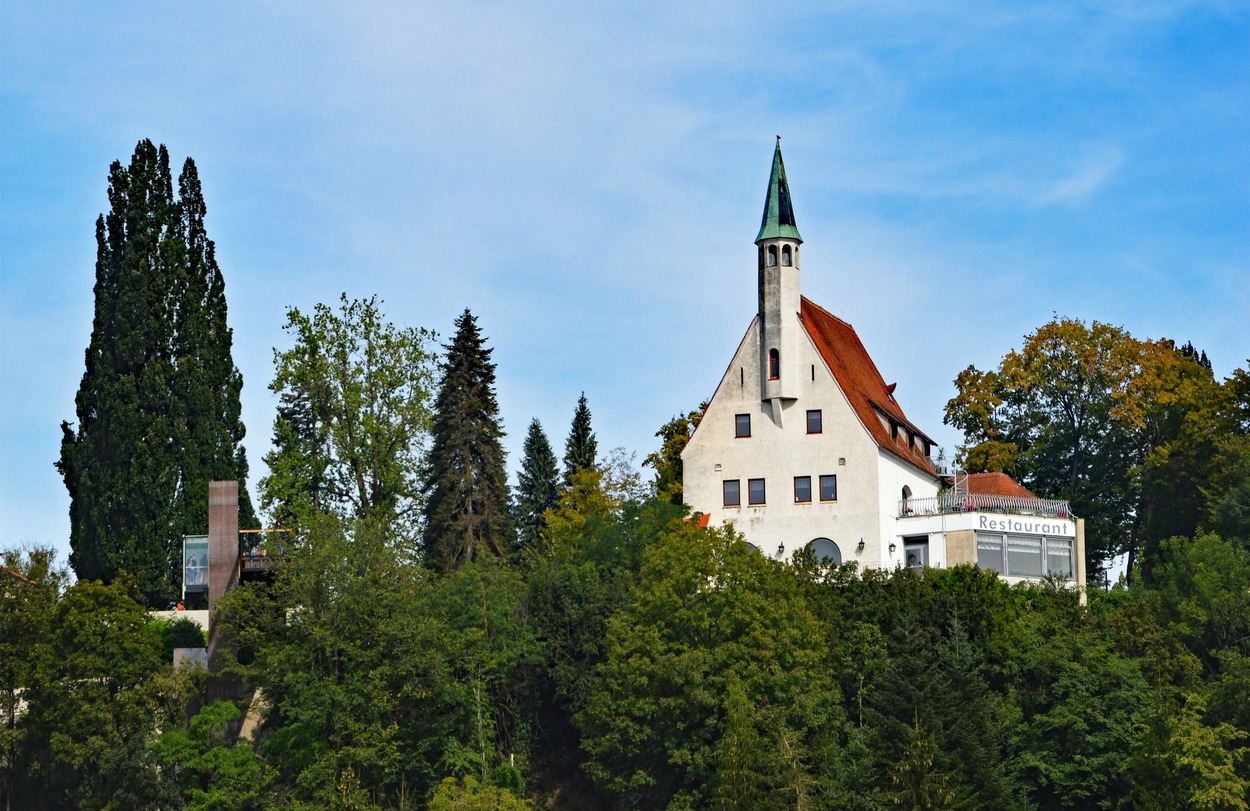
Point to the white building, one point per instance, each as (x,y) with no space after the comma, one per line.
(804,445)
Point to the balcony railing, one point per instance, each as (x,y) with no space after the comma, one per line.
(977,502)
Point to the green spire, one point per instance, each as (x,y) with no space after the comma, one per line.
(778,221)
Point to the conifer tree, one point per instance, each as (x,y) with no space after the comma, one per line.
(466,510)
(581,447)
(538,486)
(158,406)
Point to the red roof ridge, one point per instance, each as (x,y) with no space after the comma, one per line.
(844,354)
(815,306)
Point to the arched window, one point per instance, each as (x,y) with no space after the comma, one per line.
(774,364)
(826,552)
(785,255)
(772,256)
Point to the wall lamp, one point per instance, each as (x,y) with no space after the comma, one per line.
(892,547)
(781,550)
(859,547)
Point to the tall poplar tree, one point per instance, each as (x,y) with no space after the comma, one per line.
(538,486)
(207,384)
(158,406)
(581,447)
(466,510)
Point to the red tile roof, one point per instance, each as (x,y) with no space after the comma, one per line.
(863,385)
(996,484)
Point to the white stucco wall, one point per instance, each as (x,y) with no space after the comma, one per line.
(893,475)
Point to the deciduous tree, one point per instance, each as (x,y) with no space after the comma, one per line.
(353,416)
(666,461)
(715,662)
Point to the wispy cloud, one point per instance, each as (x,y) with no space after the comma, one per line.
(1090,174)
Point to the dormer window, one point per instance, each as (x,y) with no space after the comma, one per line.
(774,364)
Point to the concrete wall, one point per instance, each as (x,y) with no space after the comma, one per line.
(961,547)
(200,618)
(780,329)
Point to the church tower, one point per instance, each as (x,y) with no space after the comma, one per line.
(778,242)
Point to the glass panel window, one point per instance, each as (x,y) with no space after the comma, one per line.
(826,552)
(733,493)
(774,364)
(815,421)
(802,488)
(742,425)
(755,491)
(195,563)
(990,552)
(916,552)
(1024,556)
(1059,557)
(828,488)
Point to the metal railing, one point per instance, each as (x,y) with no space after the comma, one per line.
(978,502)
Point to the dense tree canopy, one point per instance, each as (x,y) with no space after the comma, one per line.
(640,661)
(1133,433)
(158,407)
(632,658)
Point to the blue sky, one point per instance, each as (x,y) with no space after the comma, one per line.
(588,177)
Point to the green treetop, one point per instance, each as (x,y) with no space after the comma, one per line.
(466,510)
(581,447)
(538,486)
(353,415)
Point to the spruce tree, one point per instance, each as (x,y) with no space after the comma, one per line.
(157,409)
(581,448)
(466,510)
(538,487)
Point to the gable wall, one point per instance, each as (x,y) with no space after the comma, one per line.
(779,450)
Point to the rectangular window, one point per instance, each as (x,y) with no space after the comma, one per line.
(742,425)
(828,488)
(755,491)
(1059,557)
(815,421)
(990,552)
(1024,556)
(733,493)
(802,489)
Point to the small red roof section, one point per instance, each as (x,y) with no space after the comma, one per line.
(864,387)
(701,519)
(996,484)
